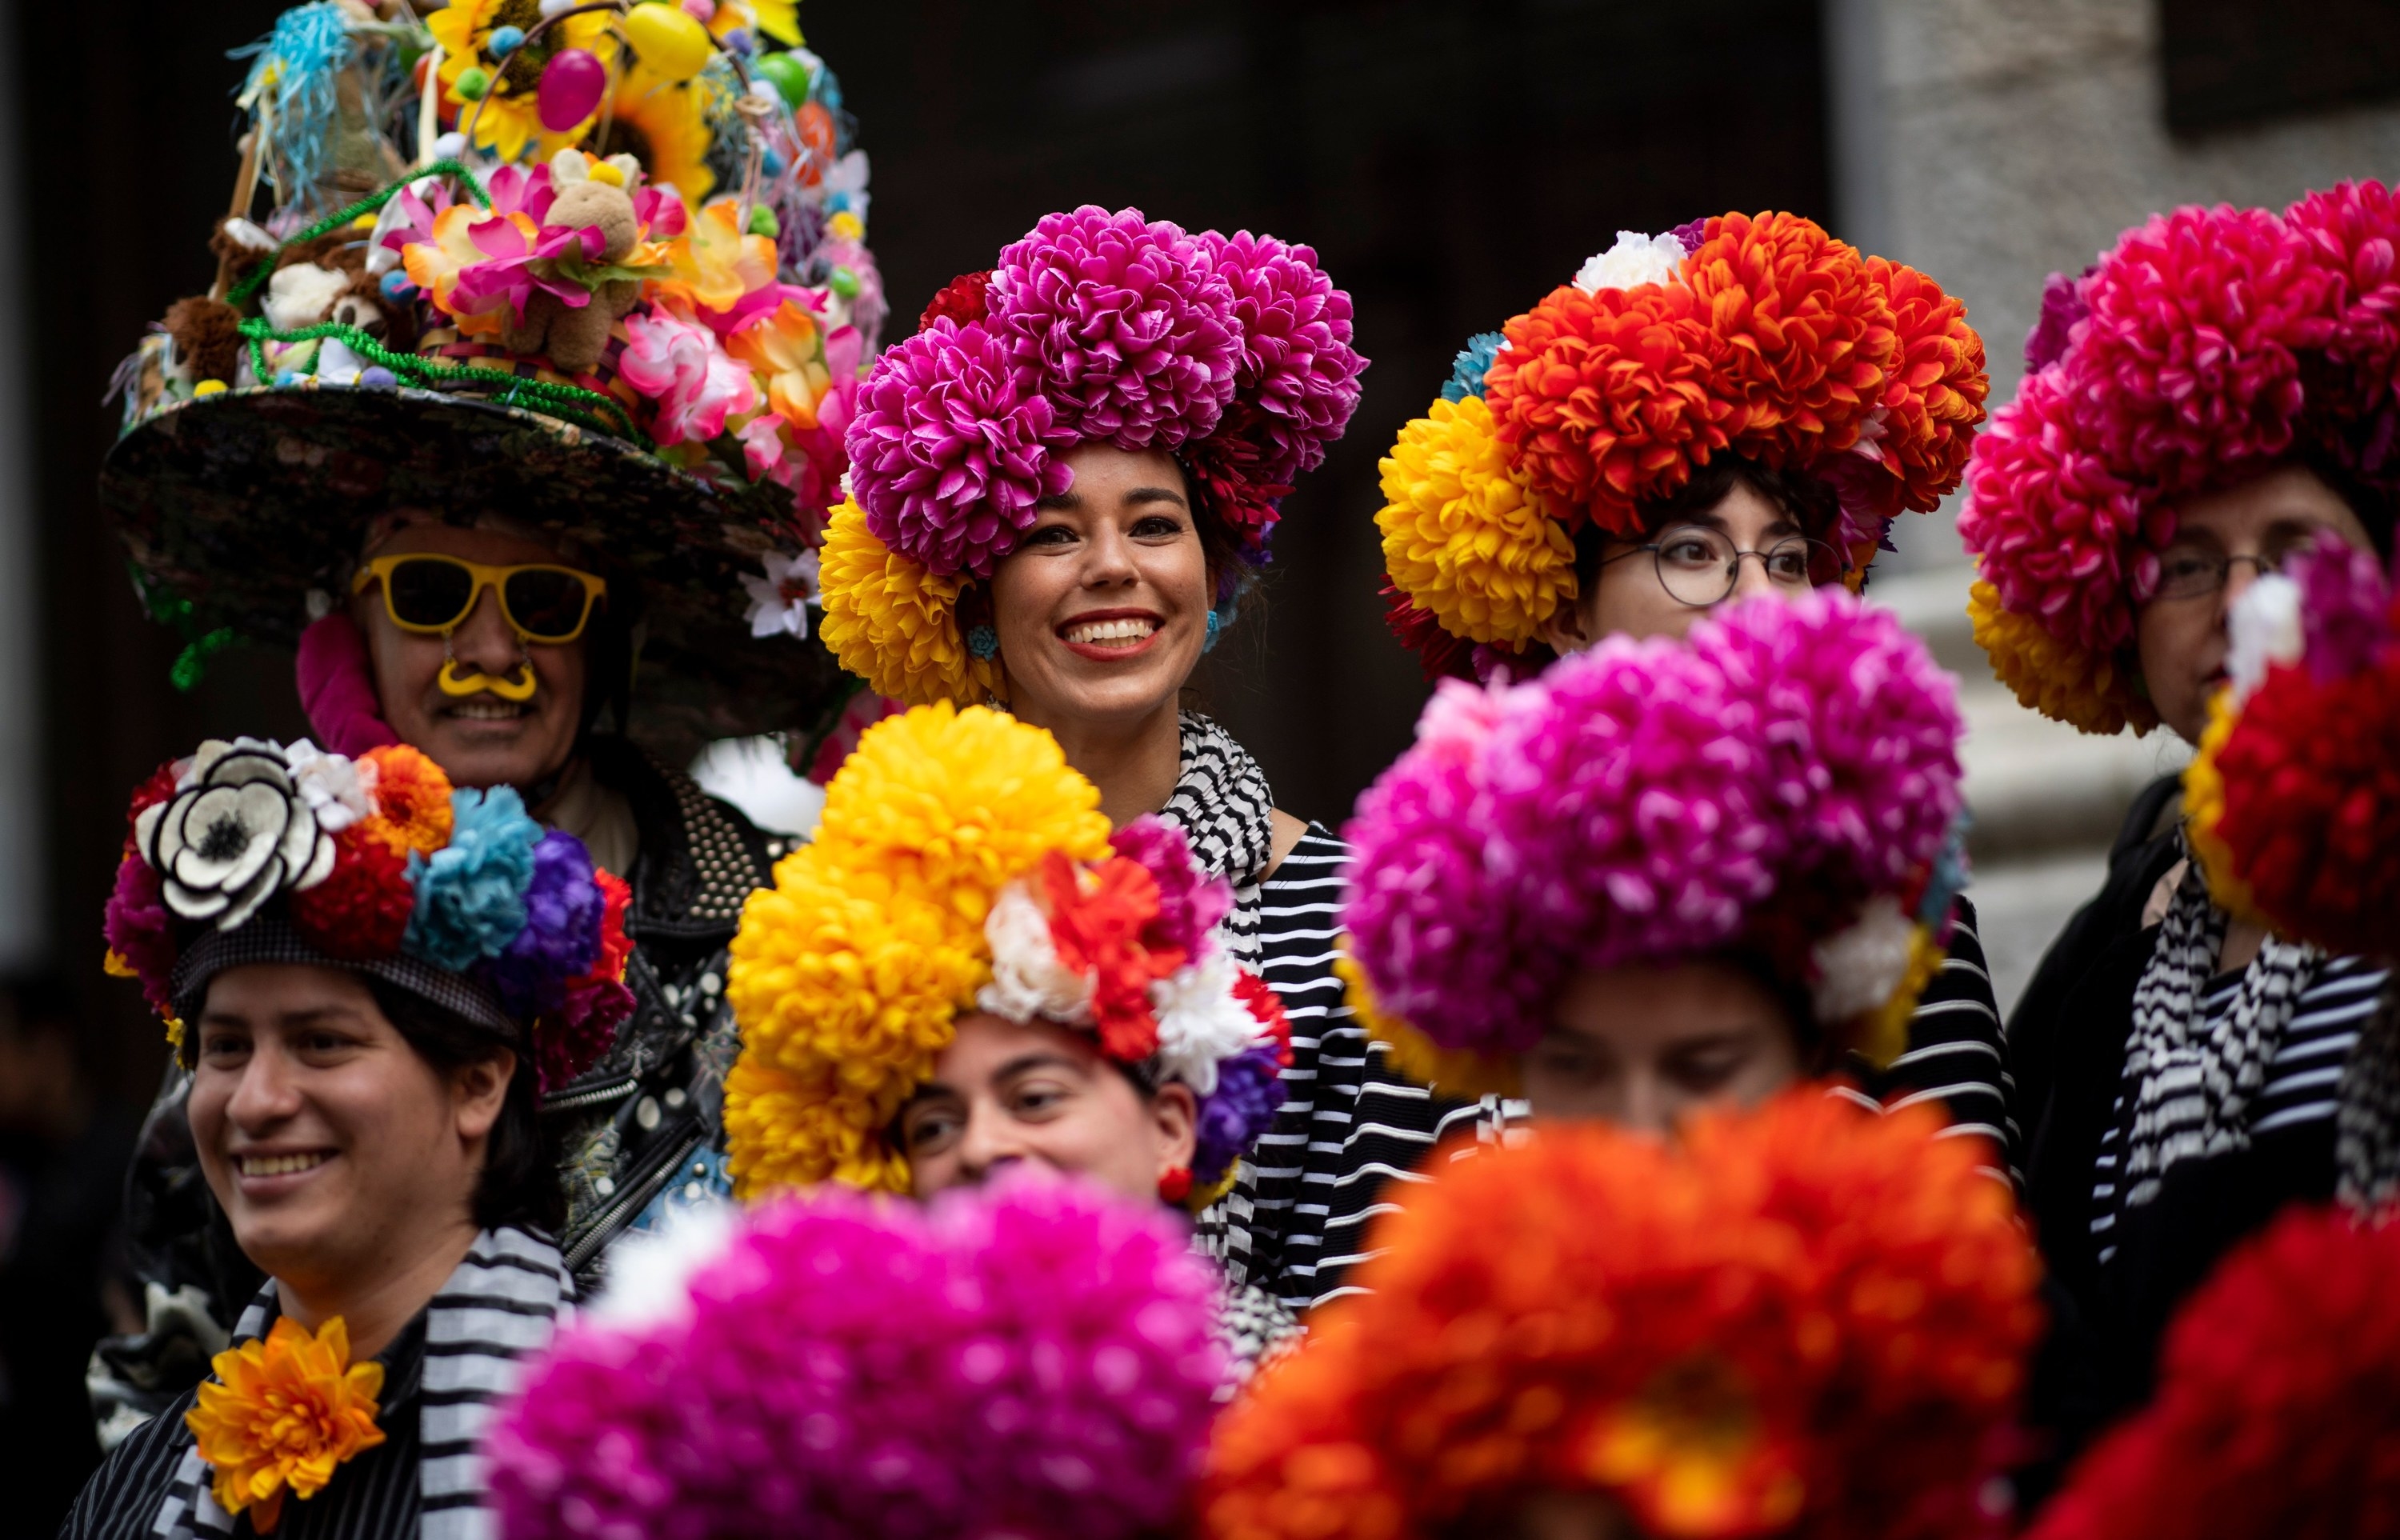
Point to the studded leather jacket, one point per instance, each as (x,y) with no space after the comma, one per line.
(639,1134)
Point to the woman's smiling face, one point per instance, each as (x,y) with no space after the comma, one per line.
(1103,610)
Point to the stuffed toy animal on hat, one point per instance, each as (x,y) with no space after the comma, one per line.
(574,338)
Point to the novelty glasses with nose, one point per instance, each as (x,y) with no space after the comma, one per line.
(431,594)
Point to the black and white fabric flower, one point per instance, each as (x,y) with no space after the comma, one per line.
(238,831)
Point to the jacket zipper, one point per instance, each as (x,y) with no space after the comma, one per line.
(631,1201)
(575,1099)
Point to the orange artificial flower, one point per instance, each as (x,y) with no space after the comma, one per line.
(411,798)
(434,266)
(715,263)
(786,351)
(1934,394)
(1809,338)
(281,1414)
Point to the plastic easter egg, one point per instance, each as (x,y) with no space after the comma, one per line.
(701,12)
(764,223)
(504,41)
(670,43)
(471,84)
(553,7)
(396,286)
(844,282)
(572,84)
(739,42)
(209,388)
(788,74)
(375,377)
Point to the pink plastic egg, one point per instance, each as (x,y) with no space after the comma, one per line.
(571,87)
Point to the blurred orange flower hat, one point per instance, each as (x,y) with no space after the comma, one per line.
(1805,1320)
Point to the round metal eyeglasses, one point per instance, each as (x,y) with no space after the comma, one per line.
(1699,566)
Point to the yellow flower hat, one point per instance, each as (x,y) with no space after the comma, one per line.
(507,120)
(848,973)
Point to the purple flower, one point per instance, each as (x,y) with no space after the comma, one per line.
(1297,368)
(1860,730)
(1648,801)
(1431,921)
(1693,234)
(1249,1089)
(951,447)
(561,939)
(1190,901)
(1130,328)
(2061,306)
(2343,598)
(1033,1358)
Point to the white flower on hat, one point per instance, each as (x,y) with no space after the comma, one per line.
(1201,1021)
(1027,980)
(237,832)
(1858,969)
(335,786)
(2262,630)
(1635,259)
(779,602)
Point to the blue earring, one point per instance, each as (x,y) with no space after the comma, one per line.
(983,642)
(1216,629)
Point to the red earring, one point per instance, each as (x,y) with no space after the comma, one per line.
(1176,1185)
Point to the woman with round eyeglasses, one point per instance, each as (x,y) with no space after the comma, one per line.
(1637,450)
(2186,1062)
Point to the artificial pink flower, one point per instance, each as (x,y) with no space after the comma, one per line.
(680,365)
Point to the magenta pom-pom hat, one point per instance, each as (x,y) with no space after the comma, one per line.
(1036,1358)
(1113,328)
(2206,346)
(1784,784)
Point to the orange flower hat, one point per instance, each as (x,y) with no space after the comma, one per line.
(1759,336)
(1805,1320)
(281,1414)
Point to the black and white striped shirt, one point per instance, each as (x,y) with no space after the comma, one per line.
(1349,1124)
(1956,1053)
(2297,1101)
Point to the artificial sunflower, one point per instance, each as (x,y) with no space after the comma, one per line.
(664,126)
(508,118)
(280,1415)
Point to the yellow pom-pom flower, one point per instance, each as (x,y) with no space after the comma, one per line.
(891,621)
(848,975)
(2204,812)
(2054,678)
(1482,554)
(1418,1059)
(1882,1036)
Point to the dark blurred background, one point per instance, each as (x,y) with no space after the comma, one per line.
(1449,162)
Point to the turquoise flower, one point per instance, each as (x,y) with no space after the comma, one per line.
(470,895)
(1473,363)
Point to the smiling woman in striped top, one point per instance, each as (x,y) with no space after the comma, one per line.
(1064,483)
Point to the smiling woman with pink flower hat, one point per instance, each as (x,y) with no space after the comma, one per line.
(2214,395)
(1063,485)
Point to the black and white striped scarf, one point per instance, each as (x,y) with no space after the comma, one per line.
(502,1305)
(1223,807)
(2188,1083)
(2366,1115)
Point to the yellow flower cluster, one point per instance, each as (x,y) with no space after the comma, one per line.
(2203,812)
(1482,554)
(848,973)
(2058,680)
(1457,1071)
(891,621)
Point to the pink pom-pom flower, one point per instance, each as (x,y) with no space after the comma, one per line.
(1650,801)
(951,447)
(1127,321)
(1298,369)
(1033,1359)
